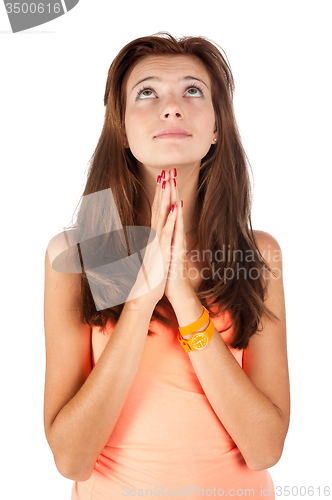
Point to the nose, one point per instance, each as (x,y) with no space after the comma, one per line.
(171,109)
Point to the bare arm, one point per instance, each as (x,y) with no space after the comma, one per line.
(82,406)
(252,403)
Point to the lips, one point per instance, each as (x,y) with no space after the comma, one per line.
(173,133)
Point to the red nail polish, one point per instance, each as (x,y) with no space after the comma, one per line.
(181,203)
(175,174)
(163,174)
(174,182)
(158,179)
(172,208)
(164,184)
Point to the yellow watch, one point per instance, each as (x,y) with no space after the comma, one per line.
(197,341)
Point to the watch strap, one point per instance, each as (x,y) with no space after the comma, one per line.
(187,330)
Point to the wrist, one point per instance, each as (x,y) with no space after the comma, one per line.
(139,305)
(188,337)
(188,309)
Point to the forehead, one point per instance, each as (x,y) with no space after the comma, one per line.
(170,67)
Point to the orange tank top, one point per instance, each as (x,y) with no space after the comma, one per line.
(168,440)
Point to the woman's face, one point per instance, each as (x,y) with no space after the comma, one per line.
(169,118)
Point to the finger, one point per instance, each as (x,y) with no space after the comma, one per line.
(167,175)
(168,232)
(165,204)
(178,237)
(155,208)
(180,216)
(174,187)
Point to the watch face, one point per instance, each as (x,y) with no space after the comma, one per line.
(199,341)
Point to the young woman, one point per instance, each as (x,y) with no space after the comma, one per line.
(137,401)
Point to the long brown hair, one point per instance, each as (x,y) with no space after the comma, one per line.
(223,198)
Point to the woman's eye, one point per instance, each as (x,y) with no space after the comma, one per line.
(145,94)
(194,91)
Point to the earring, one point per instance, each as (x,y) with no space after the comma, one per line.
(215,139)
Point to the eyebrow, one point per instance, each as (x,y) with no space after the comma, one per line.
(189,77)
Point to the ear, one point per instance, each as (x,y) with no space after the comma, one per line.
(214,138)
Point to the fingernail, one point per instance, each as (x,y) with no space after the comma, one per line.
(163,174)
(174,182)
(164,184)
(175,174)
(172,208)
(181,203)
(158,179)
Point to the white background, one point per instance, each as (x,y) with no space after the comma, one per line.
(51,99)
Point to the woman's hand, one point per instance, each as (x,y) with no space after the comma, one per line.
(166,263)
(154,270)
(178,283)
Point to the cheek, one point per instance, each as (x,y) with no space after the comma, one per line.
(206,128)
(204,117)
(210,119)
(136,127)
(135,124)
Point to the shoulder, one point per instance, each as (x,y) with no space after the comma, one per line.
(62,252)
(269,248)
(265,240)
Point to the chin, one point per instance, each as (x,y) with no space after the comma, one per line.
(169,161)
